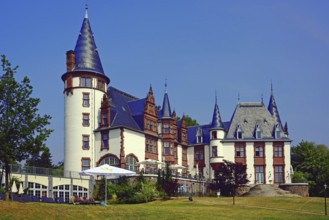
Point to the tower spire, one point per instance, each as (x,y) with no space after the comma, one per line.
(86,10)
(273,108)
(166,91)
(216,119)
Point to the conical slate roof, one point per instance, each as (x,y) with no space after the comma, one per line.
(216,119)
(273,109)
(166,111)
(86,54)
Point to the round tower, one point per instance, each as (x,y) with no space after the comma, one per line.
(85,84)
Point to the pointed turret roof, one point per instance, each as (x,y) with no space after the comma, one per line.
(216,119)
(273,108)
(86,54)
(166,110)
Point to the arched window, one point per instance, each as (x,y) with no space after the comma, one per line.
(131,163)
(110,160)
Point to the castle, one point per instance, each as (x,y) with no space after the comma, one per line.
(106,125)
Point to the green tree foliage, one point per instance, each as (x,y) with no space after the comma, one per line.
(311,163)
(189,121)
(22,129)
(165,182)
(40,160)
(229,177)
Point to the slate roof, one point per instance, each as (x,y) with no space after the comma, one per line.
(248,115)
(166,110)
(125,109)
(86,54)
(216,119)
(273,109)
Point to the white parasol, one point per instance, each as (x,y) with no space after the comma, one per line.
(20,190)
(176,166)
(14,187)
(151,161)
(107,170)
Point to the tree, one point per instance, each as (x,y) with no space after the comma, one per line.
(311,162)
(41,160)
(189,121)
(166,183)
(22,130)
(230,176)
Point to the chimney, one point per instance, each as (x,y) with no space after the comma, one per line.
(70,60)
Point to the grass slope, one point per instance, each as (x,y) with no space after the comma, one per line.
(267,208)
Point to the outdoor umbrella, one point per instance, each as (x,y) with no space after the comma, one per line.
(107,170)
(20,190)
(14,187)
(176,166)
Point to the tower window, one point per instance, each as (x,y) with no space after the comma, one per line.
(85,101)
(85,163)
(214,134)
(100,84)
(85,119)
(214,151)
(85,142)
(166,128)
(105,119)
(85,82)
(166,146)
(199,155)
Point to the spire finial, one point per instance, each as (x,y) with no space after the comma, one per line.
(86,10)
(166,85)
(262,98)
(271,88)
(238,98)
(216,97)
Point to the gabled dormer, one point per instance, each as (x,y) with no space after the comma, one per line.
(277,131)
(199,136)
(239,132)
(258,132)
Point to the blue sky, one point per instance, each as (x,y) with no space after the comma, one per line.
(232,47)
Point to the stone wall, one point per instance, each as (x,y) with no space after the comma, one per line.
(296,188)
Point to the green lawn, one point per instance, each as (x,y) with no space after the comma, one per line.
(200,208)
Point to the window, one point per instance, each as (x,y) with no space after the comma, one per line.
(184,154)
(175,152)
(105,141)
(278,151)
(85,82)
(214,134)
(166,147)
(166,129)
(100,84)
(85,142)
(214,151)
(239,151)
(239,132)
(85,101)
(151,146)
(258,132)
(278,174)
(277,132)
(131,163)
(85,163)
(199,136)
(260,174)
(199,155)
(259,151)
(111,160)
(85,119)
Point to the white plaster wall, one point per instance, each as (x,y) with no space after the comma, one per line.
(250,160)
(190,159)
(179,154)
(206,170)
(160,150)
(269,172)
(228,151)
(134,143)
(73,129)
(287,161)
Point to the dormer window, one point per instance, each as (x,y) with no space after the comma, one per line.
(239,133)
(258,132)
(199,136)
(277,132)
